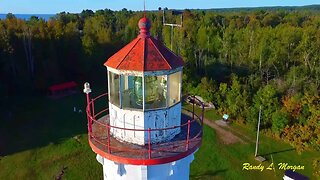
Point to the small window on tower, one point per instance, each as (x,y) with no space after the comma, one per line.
(175,88)
(114,88)
(131,89)
(155,92)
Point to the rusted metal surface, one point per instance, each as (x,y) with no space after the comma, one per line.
(103,143)
(144,54)
(149,154)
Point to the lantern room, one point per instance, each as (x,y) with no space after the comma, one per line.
(144,91)
(144,88)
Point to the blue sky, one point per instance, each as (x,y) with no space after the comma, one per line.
(75,6)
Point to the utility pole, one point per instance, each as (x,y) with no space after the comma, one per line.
(257,141)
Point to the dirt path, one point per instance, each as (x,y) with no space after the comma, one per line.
(226,137)
(240,134)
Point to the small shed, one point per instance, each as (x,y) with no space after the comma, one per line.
(63,89)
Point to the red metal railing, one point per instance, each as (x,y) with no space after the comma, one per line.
(105,139)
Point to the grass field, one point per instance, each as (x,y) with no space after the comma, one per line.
(46,139)
(218,161)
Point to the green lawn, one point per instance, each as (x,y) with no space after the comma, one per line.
(47,138)
(219,161)
(73,156)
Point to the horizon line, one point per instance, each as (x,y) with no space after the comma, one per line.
(215,8)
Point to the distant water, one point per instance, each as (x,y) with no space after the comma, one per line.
(27,16)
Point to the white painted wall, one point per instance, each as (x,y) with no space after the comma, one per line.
(135,119)
(162,119)
(171,171)
(127,119)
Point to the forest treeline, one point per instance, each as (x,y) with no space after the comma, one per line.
(240,61)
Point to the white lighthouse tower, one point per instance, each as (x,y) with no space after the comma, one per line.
(143,134)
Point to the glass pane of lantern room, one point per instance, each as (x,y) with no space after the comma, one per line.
(131,92)
(155,92)
(175,88)
(114,88)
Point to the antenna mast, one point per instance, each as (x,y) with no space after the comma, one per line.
(171,25)
(144,7)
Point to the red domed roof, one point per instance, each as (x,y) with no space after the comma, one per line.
(144,53)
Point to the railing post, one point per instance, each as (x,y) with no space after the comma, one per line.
(90,124)
(108,129)
(92,116)
(149,143)
(194,98)
(88,103)
(188,135)
(89,114)
(92,102)
(202,115)
(87,91)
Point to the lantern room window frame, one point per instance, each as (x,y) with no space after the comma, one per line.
(124,85)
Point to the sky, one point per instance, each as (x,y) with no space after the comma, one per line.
(76,6)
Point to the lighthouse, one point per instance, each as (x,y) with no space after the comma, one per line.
(143,133)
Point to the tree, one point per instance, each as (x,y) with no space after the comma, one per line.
(86,13)
(202,45)
(307,135)
(27,44)
(292,105)
(10,16)
(228,47)
(96,32)
(271,19)
(316,167)
(220,97)
(236,100)
(267,98)
(206,89)
(279,121)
